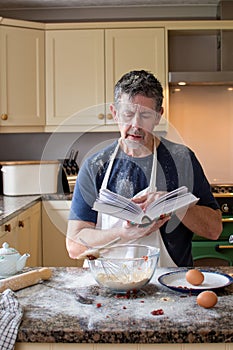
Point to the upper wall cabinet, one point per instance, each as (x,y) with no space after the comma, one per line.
(75,77)
(134,49)
(22,98)
(83,65)
(201,55)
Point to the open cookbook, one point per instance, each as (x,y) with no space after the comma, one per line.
(118,206)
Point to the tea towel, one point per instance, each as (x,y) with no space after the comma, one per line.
(11,314)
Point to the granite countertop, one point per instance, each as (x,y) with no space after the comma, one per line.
(11,206)
(55,312)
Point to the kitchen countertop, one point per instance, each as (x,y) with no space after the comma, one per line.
(11,206)
(53,312)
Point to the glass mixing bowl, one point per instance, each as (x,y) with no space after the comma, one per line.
(125,267)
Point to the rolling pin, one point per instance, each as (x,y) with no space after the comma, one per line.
(25,279)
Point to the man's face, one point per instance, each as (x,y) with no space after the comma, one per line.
(136,118)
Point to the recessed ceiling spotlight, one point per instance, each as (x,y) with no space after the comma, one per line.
(230,89)
(182,83)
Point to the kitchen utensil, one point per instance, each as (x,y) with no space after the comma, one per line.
(25,279)
(125,267)
(74,167)
(68,173)
(11,261)
(83,299)
(93,253)
(69,162)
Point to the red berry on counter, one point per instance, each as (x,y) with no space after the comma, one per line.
(157,312)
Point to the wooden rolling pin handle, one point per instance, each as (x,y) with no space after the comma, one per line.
(25,279)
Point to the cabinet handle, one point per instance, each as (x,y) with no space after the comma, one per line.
(218,247)
(109,116)
(21,223)
(8,228)
(4,116)
(101,116)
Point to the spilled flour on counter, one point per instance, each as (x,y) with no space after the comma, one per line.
(58,295)
(56,299)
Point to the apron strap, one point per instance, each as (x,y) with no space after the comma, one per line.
(152,185)
(107,174)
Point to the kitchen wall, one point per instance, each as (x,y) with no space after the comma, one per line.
(46,146)
(200,117)
(203,117)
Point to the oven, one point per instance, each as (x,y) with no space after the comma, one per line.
(220,252)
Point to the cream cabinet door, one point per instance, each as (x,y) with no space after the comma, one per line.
(8,232)
(75,77)
(23,233)
(22,100)
(134,49)
(54,224)
(29,235)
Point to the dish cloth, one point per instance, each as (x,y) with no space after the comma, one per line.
(11,314)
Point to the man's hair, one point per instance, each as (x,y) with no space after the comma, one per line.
(139,82)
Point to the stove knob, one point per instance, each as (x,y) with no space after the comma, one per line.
(225,208)
(216,189)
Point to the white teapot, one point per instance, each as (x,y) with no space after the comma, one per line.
(11,261)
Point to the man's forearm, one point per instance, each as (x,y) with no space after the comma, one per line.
(203,221)
(90,235)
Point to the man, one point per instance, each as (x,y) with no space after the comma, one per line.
(141,166)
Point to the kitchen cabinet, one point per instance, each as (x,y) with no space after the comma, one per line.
(75,77)
(201,55)
(23,232)
(83,65)
(8,232)
(193,50)
(134,49)
(67,71)
(54,224)
(22,100)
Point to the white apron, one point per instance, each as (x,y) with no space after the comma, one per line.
(154,239)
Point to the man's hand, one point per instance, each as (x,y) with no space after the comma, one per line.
(133,231)
(144,200)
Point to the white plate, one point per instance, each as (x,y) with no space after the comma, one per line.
(212,280)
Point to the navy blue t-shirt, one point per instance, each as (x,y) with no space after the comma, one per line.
(177,166)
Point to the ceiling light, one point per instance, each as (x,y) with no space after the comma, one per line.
(182,83)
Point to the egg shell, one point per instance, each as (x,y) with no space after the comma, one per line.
(194,277)
(207,299)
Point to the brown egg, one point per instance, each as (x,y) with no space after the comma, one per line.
(207,299)
(195,277)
